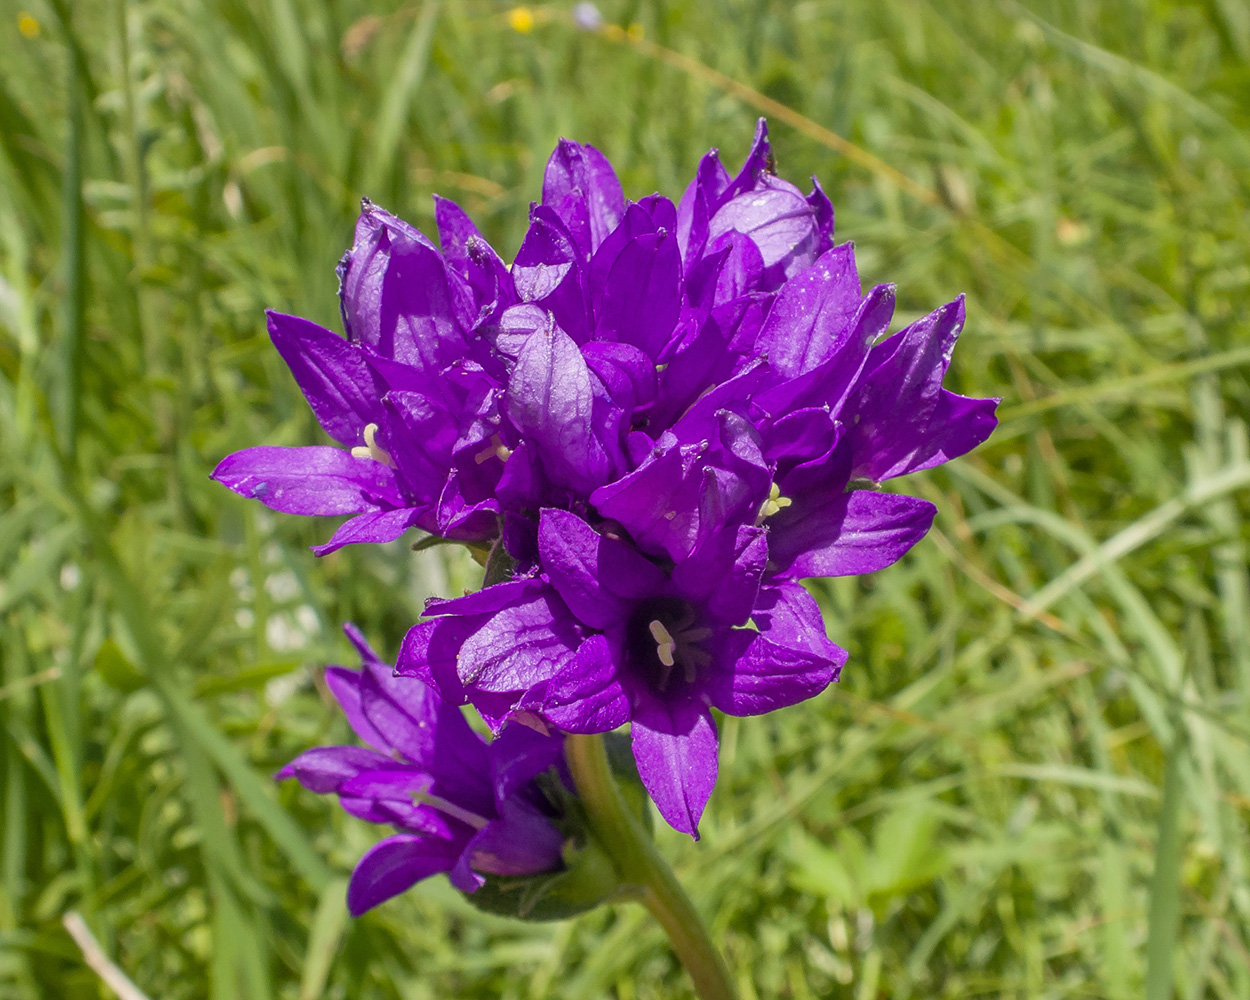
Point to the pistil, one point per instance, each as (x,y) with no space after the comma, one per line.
(450,809)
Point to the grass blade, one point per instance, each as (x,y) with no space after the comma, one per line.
(1165,887)
(398,98)
(72,220)
(323,942)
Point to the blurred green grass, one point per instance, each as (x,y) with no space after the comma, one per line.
(1033,780)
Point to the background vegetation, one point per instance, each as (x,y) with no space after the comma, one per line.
(1033,780)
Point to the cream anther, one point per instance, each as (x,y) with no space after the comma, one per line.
(495,448)
(775,502)
(664,644)
(371,448)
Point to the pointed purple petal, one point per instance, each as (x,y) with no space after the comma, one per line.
(663,212)
(831,381)
(324,769)
(812,315)
(431,734)
(344,684)
(741,481)
(422,433)
(395,864)
(376,527)
(642,294)
(594,575)
(399,298)
(387,782)
(708,359)
(421,309)
(522,842)
(520,646)
(427,731)
(549,270)
(786,614)
(798,437)
(769,676)
(675,747)
(897,397)
(743,266)
(703,419)
(551,401)
(626,372)
(586,696)
(518,755)
(581,186)
(758,163)
(958,425)
(846,534)
(692,223)
(461,520)
(317,480)
(357,639)
(428,654)
(634,223)
(472,257)
(488,600)
(788,661)
(332,374)
(725,577)
(777,217)
(658,503)
(822,208)
(455,230)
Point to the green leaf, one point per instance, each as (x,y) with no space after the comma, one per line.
(116,669)
(245,680)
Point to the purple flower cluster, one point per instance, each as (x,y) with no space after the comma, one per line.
(662,416)
(463,806)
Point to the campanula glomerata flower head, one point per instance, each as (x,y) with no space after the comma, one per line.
(661,416)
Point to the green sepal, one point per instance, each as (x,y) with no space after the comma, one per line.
(499,565)
(479,552)
(587,880)
(588,877)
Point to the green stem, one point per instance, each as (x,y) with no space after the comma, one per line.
(639,864)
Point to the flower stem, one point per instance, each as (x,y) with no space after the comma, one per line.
(639,864)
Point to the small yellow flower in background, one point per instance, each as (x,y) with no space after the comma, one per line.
(521,20)
(1070,232)
(634,32)
(27,24)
